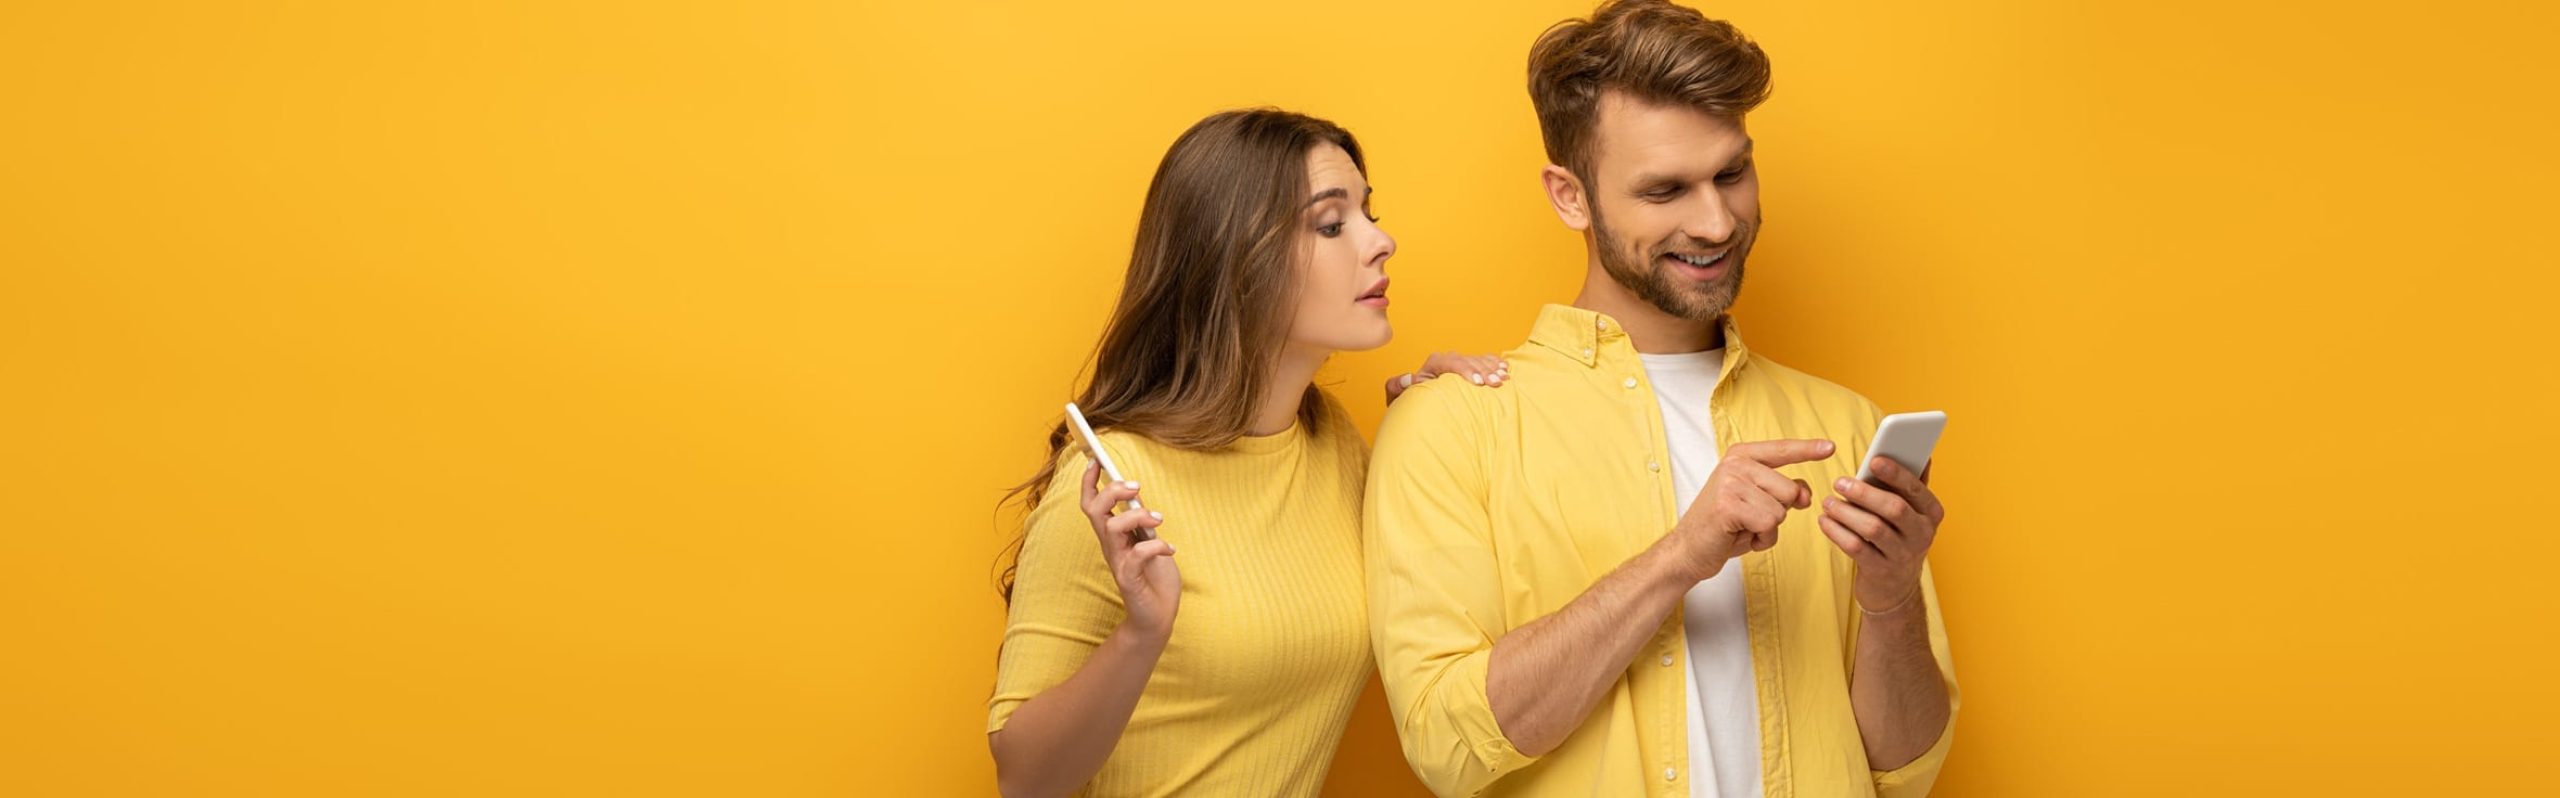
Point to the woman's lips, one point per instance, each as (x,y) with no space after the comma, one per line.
(1376,296)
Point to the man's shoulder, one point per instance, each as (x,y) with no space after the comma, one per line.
(1451,403)
(1448,400)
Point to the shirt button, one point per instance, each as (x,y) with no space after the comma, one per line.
(1586,351)
(1631,382)
(1670,774)
(1652,465)
(1666,660)
(1598,323)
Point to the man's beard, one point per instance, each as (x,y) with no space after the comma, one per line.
(1658,285)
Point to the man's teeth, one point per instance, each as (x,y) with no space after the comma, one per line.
(1698,261)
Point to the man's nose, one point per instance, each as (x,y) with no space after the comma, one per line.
(1712,223)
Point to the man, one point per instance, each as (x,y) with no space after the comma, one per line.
(1643,567)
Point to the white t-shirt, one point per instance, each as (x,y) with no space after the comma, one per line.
(1724,703)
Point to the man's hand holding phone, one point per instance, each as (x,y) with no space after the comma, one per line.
(1887,520)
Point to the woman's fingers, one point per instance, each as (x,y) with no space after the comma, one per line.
(1397,384)
(1124,527)
(1108,497)
(1092,474)
(1433,365)
(1099,504)
(1478,369)
(1142,560)
(1487,370)
(1153,548)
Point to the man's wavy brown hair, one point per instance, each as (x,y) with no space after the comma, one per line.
(1650,50)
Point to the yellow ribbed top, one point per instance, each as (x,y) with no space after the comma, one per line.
(1270,647)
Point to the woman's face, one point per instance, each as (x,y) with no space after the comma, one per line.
(1342,260)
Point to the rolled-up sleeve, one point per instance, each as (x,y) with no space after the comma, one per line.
(1435,593)
(1064,600)
(1914,778)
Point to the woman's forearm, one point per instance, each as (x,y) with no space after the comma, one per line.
(1056,741)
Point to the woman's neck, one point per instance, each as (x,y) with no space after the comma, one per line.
(1284,388)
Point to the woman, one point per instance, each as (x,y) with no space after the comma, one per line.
(1234,672)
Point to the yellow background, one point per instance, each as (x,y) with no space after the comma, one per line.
(611,398)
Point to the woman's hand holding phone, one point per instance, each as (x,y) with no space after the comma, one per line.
(1141,564)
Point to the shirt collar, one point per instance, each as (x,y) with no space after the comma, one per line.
(1582,335)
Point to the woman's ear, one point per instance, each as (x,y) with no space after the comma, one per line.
(1564,191)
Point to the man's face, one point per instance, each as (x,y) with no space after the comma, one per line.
(1675,204)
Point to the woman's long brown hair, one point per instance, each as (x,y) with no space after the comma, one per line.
(1205,309)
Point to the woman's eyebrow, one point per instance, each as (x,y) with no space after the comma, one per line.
(1338,192)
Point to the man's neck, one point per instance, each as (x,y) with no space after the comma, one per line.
(1652,331)
(1282,392)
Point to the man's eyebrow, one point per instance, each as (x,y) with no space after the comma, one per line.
(1338,192)
(1644,181)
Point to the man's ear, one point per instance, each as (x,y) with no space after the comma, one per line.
(1564,191)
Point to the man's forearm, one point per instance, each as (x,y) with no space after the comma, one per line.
(1897,692)
(1546,676)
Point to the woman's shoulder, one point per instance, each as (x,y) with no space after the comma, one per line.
(1128,451)
(1136,456)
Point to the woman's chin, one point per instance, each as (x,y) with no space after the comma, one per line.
(1384,333)
(1359,335)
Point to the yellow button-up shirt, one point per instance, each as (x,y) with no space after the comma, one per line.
(1488,509)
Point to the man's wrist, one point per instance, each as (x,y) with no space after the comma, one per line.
(1889,601)
(1672,563)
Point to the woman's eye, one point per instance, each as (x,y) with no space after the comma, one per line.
(1330,230)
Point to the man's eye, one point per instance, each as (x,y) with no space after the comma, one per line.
(1662,194)
(1731,176)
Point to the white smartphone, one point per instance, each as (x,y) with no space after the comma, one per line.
(1100,455)
(1905,438)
